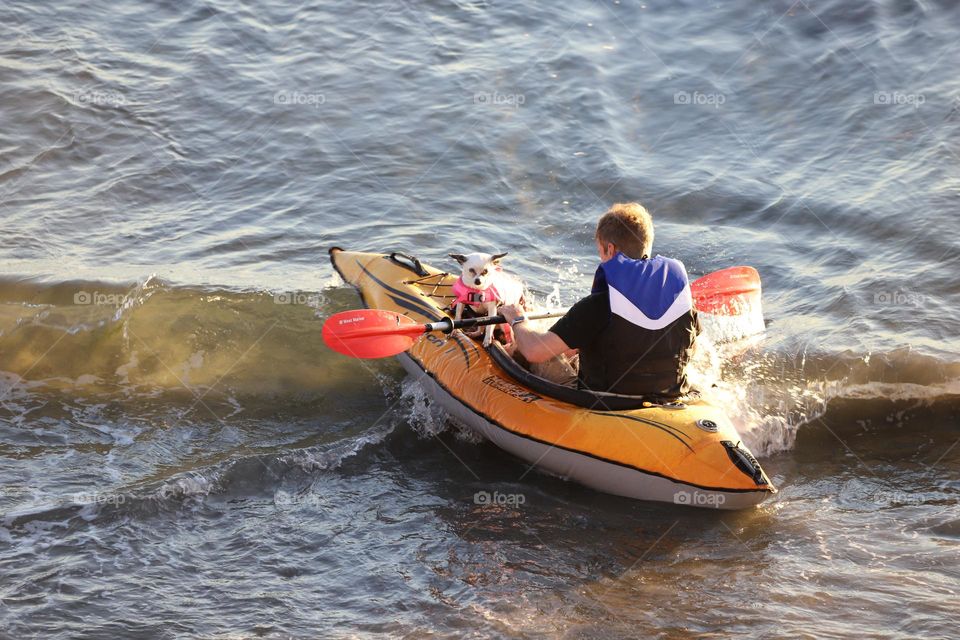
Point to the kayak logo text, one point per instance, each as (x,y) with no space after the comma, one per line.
(699,499)
(507,387)
(500,499)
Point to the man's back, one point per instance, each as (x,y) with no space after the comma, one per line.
(636,330)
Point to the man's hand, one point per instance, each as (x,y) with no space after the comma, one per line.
(535,345)
(511,312)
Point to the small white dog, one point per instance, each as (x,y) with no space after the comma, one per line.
(483,284)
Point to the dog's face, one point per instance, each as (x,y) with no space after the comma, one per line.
(478,268)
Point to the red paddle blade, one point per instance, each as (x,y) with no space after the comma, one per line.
(729,303)
(370,333)
(728,292)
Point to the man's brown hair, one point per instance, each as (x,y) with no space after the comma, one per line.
(629,227)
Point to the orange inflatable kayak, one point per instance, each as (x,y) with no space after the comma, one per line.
(685,452)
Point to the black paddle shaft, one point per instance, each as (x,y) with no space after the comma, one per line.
(449,325)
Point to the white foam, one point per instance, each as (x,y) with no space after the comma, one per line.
(794,404)
(766,410)
(189,485)
(722,328)
(426,417)
(331,457)
(898,391)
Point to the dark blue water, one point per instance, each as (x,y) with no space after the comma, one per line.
(180,456)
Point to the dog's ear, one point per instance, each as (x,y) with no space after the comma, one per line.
(496,259)
(459,257)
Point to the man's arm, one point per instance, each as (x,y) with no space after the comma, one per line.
(536,346)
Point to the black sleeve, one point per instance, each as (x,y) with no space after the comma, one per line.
(584,321)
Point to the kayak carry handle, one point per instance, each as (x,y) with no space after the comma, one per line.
(414,263)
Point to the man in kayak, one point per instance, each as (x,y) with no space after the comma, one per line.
(635,331)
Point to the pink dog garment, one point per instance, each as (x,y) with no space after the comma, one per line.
(474,297)
(503,288)
(469,296)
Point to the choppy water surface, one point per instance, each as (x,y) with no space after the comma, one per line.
(181,457)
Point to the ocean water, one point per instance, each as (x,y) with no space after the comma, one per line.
(180,455)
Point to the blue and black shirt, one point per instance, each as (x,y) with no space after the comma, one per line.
(636,329)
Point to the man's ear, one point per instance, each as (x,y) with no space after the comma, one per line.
(496,259)
(459,257)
